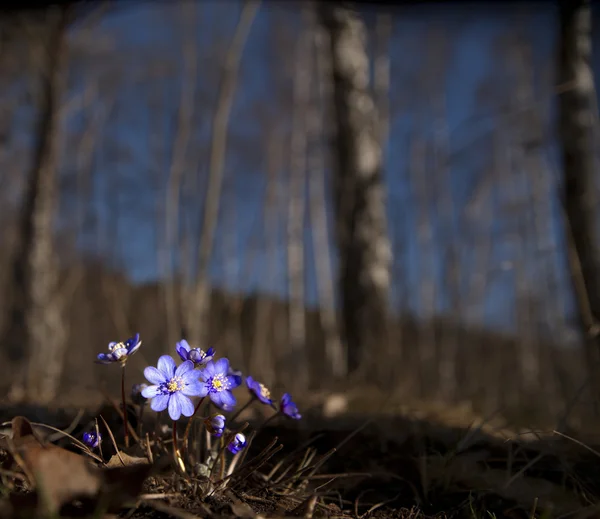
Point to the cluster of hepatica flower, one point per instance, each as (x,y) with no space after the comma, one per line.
(171,387)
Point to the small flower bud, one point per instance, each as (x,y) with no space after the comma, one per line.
(237,444)
(92,440)
(215,424)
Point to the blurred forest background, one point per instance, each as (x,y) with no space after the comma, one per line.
(331,197)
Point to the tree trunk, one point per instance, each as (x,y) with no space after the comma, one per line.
(359,194)
(36,325)
(334,351)
(577,114)
(296,211)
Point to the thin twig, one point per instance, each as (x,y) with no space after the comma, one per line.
(112,438)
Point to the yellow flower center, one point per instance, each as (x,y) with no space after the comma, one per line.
(174,385)
(218,383)
(264,391)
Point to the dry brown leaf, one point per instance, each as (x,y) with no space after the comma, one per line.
(125,460)
(242,510)
(60,476)
(57,474)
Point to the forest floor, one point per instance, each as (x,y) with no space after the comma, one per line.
(443,464)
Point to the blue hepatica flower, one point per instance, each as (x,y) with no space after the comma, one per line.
(217,383)
(215,424)
(120,351)
(172,386)
(91,439)
(288,407)
(237,444)
(196,355)
(259,390)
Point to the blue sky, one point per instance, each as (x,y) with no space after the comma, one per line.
(471,74)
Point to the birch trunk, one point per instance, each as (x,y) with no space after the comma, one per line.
(577,116)
(359,195)
(37,325)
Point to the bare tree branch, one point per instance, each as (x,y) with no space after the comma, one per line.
(197,308)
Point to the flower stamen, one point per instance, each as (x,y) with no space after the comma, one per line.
(174,385)
(218,383)
(264,391)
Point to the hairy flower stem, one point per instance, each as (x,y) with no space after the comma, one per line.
(188,427)
(222,466)
(232,466)
(140,418)
(125,422)
(241,409)
(176,456)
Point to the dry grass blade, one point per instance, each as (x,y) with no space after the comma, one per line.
(171,511)
(259,464)
(293,454)
(112,439)
(522,471)
(581,444)
(77,442)
(311,469)
(379,505)
(122,415)
(250,465)
(69,429)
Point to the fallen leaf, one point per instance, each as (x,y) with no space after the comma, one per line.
(60,476)
(242,510)
(125,460)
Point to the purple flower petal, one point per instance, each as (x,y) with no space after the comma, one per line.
(182,348)
(233,381)
(227,398)
(209,370)
(103,358)
(222,366)
(135,348)
(216,398)
(185,404)
(195,389)
(174,407)
(151,391)
(166,364)
(160,402)
(133,342)
(190,377)
(154,376)
(184,345)
(184,368)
